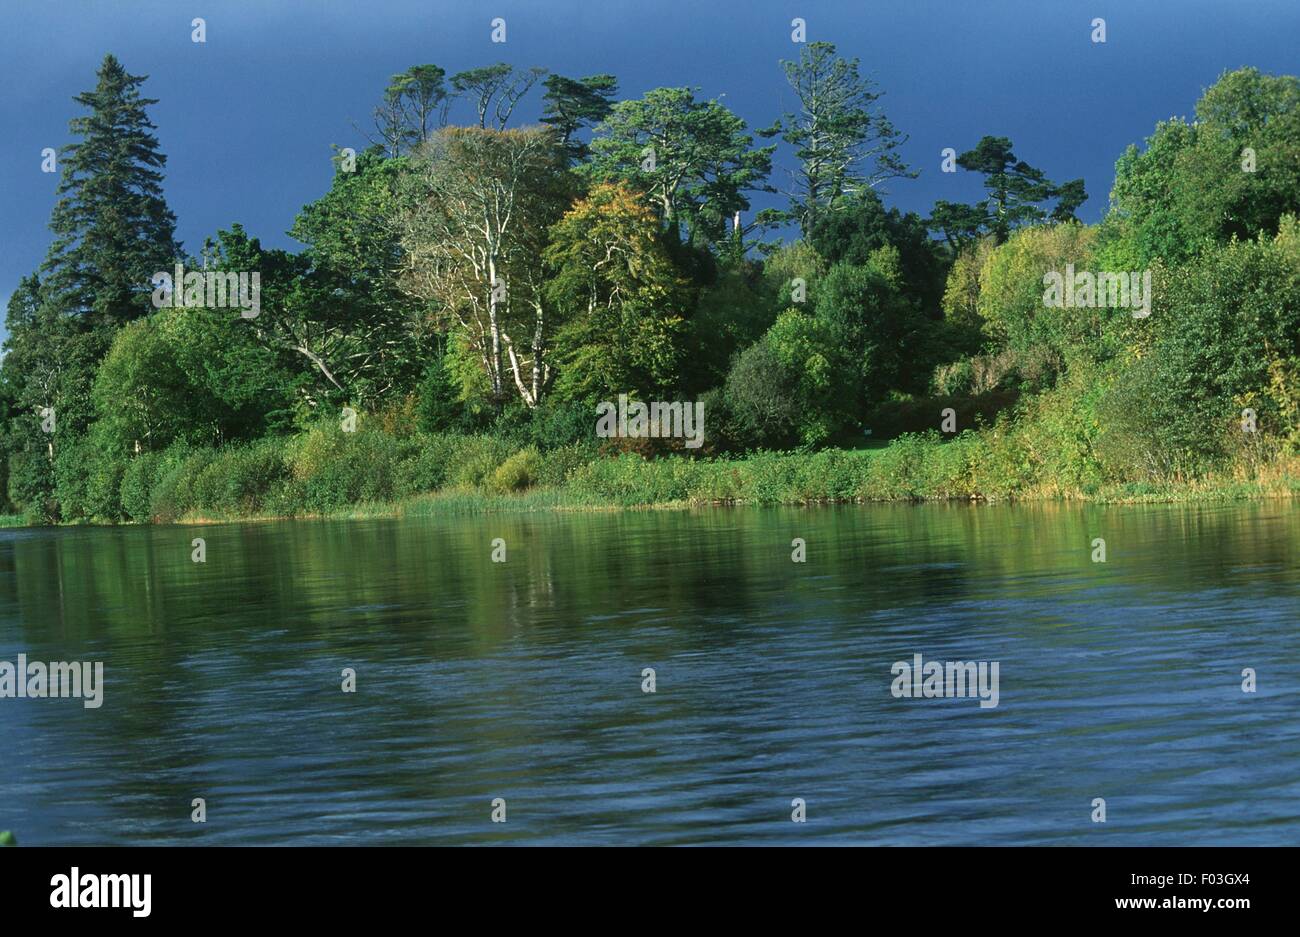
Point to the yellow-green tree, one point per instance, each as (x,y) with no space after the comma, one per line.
(619,295)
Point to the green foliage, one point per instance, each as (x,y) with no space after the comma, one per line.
(113,230)
(1011,296)
(1016,195)
(412,105)
(730,315)
(862,226)
(477,209)
(704,162)
(838,129)
(876,327)
(1193,185)
(88,480)
(494,90)
(558,424)
(339,308)
(438,407)
(619,295)
(919,414)
(474,459)
(789,387)
(138,483)
(141,394)
(1227,327)
(760,392)
(332,469)
(31,485)
(558,465)
(788,262)
(476,398)
(519,471)
(570,104)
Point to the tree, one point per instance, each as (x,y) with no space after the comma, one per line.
(962,322)
(843,142)
(351,292)
(1225,338)
(1010,298)
(495,90)
(142,396)
(692,158)
(113,231)
(730,314)
(1235,171)
(790,386)
(961,225)
(45,371)
(761,393)
(862,225)
(619,297)
(1016,193)
(570,104)
(192,374)
(112,227)
(412,102)
(479,204)
(877,329)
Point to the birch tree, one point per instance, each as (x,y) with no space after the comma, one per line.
(478,206)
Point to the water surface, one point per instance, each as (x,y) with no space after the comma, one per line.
(523,680)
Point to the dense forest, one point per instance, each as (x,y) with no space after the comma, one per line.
(468,292)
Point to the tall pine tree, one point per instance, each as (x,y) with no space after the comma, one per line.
(113,232)
(112,227)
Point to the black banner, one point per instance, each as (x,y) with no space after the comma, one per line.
(151,886)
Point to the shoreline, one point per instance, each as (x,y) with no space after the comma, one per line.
(464,502)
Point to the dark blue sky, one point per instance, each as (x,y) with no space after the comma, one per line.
(247,119)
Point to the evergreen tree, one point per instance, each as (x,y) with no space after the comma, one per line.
(112,227)
(574,103)
(1016,193)
(415,105)
(844,142)
(692,159)
(113,232)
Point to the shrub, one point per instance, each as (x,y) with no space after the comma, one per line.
(334,469)
(563,424)
(251,473)
(425,468)
(173,493)
(558,464)
(516,473)
(88,480)
(473,459)
(31,485)
(137,485)
(762,393)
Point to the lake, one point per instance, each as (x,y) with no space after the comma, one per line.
(523,680)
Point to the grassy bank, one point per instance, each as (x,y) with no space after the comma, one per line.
(371,473)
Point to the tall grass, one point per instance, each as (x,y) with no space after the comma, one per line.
(326,472)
